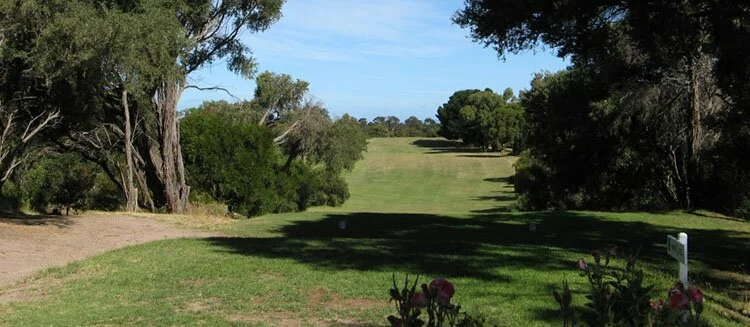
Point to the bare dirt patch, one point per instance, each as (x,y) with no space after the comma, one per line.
(29,244)
(323,297)
(203,305)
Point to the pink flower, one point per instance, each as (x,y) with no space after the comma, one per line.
(418,300)
(582,264)
(677,298)
(445,290)
(696,294)
(657,305)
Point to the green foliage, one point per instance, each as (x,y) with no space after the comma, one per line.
(482,118)
(238,163)
(391,126)
(341,145)
(60,182)
(653,113)
(104,194)
(11,197)
(233,162)
(618,296)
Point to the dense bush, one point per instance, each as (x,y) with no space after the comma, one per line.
(66,181)
(232,162)
(11,197)
(238,163)
(590,149)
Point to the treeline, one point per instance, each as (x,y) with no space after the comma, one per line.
(88,112)
(391,126)
(652,114)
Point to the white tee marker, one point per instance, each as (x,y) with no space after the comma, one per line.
(678,249)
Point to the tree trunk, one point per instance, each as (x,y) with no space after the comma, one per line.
(165,152)
(131,194)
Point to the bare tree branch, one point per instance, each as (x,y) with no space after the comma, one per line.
(213,88)
(51,116)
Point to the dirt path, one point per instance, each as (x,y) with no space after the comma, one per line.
(29,245)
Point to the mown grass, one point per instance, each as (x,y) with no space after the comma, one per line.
(418,207)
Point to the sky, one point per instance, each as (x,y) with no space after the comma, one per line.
(374,58)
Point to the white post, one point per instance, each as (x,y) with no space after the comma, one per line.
(683,237)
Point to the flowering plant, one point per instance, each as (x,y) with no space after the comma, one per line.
(434,299)
(683,308)
(618,295)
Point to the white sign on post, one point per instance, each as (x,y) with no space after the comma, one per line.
(678,249)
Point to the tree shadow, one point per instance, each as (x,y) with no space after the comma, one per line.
(504,198)
(438,146)
(440,245)
(16,218)
(510,180)
(482,156)
(480,247)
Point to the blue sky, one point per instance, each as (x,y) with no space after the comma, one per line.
(374,57)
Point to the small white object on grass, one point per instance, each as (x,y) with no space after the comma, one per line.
(342,225)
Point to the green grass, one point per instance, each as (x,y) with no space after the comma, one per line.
(424,208)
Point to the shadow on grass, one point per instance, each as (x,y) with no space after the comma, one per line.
(445,146)
(505,197)
(482,156)
(16,218)
(476,247)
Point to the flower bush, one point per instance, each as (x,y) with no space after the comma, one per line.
(434,300)
(618,297)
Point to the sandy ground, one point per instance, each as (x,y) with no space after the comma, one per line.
(28,245)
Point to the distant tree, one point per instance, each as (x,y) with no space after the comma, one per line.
(413,127)
(481,118)
(431,127)
(341,145)
(451,123)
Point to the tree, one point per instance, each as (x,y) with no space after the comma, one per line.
(212,29)
(413,127)
(659,65)
(111,62)
(26,110)
(232,161)
(341,145)
(61,180)
(481,118)
(451,123)
(431,127)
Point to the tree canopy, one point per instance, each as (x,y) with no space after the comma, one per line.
(649,114)
(482,118)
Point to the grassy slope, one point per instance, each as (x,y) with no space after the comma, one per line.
(424,210)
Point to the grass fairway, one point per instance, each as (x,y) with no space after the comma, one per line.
(417,207)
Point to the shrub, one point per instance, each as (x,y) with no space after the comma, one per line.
(104,195)
(434,300)
(618,296)
(11,197)
(60,181)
